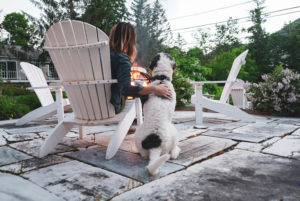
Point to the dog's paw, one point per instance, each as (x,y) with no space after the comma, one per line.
(175,152)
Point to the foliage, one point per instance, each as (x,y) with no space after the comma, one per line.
(183,89)
(12,90)
(10,108)
(152,29)
(284,47)
(18,27)
(101,13)
(30,100)
(258,38)
(278,93)
(105,14)
(188,68)
(226,37)
(222,64)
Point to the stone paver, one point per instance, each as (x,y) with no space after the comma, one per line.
(236,175)
(21,137)
(9,155)
(226,160)
(124,163)
(128,143)
(199,148)
(33,163)
(32,147)
(34,129)
(246,137)
(18,189)
(268,129)
(256,147)
(2,139)
(269,142)
(287,121)
(77,181)
(227,126)
(186,130)
(97,129)
(289,146)
(297,132)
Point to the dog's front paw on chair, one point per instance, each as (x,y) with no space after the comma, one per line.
(175,152)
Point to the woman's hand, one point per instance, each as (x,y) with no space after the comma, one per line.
(163,90)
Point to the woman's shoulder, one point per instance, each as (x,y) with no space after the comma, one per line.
(118,55)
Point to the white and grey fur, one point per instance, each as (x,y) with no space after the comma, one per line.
(156,138)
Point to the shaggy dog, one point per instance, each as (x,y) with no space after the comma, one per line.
(156,138)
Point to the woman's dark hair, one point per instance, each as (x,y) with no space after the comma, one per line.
(122,38)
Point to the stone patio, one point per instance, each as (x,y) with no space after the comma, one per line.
(224,159)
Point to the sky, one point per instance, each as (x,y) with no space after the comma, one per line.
(203,12)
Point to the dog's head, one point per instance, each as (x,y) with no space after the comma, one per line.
(163,64)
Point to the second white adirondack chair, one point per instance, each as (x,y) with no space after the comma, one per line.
(42,90)
(80,53)
(221,105)
(238,95)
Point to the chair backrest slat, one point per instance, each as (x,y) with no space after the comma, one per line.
(91,101)
(235,69)
(59,62)
(37,79)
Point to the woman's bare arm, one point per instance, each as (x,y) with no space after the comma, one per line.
(161,90)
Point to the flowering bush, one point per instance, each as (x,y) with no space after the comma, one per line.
(183,89)
(278,93)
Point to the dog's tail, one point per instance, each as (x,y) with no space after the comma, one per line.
(156,161)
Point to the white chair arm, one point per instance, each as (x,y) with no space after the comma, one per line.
(210,82)
(45,87)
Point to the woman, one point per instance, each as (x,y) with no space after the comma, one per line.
(122,42)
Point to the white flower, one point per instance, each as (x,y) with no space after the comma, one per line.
(183,100)
(265,77)
(280,85)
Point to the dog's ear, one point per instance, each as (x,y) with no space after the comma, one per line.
(174,65)
(172,59)
(154,62)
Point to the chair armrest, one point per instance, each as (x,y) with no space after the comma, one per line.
(210,82)
(91,82)
(45,87)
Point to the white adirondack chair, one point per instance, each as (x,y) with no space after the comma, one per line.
(42,90)
(221,105)
(80,53)
(238,95)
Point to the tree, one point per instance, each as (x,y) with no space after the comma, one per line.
(104,14)
(226,36)
(18,27)
(53,11)
(222,64)
(179,42)
(152,29)
(258,38)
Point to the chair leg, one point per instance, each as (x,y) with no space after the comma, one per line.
(82,132)
(139,114)
(55,137)
(119,135)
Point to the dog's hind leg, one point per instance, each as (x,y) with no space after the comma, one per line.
(156,160)
(175,152)
(175,149)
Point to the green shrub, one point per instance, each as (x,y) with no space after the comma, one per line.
(12,90)
(10,108)
(31,100)
(279,93)
(183,89)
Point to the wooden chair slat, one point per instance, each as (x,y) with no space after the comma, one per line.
(91,35)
